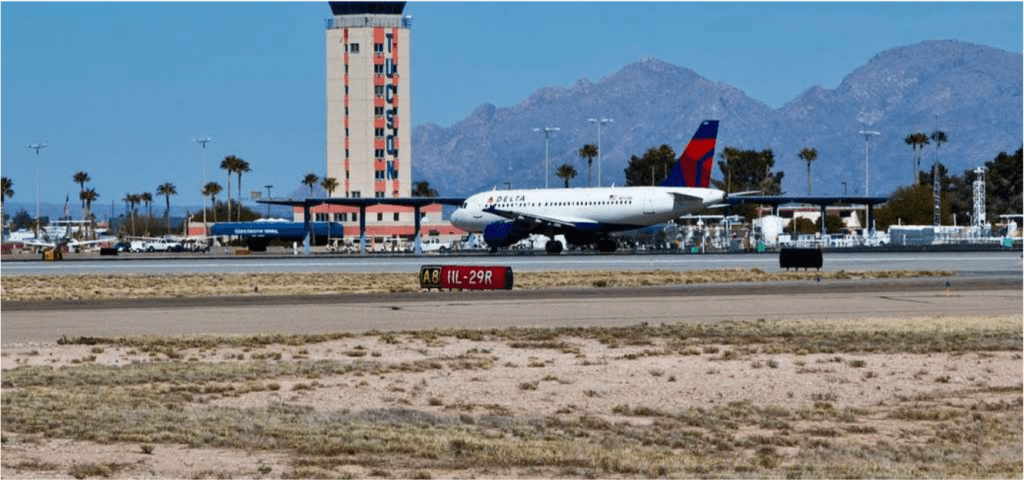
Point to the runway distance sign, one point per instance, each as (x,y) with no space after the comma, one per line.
(466,277)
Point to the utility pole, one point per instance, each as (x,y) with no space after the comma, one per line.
(547,131)
(867,137)
(203,142)
(599,123)
(37,147)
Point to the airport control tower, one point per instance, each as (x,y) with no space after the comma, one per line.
(368,102)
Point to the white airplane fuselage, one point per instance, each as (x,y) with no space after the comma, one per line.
(597,210)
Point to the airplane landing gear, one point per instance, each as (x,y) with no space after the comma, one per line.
(554,247)
(607,245)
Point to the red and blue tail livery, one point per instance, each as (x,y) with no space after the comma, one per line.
(694,166)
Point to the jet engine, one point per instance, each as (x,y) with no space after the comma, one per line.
(503,234)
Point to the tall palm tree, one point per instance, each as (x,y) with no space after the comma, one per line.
(133,199)
(167,189)
(330,184)
(147,199)
(809,155)
(81,178)
(309,180)
(230,164)
(917,141)
(566,172)
(241,167)
(6,191)
(212,189)
(588,151)
(88,196)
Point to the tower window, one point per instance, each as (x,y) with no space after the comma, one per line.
(353,48)
(378,48)
(396,217)
(378,90)
(378,132)
(378,69)
(378,111)
(380,217)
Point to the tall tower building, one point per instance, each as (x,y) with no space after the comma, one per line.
(368,101)
(369,132)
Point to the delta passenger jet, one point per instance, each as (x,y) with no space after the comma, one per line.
(588,215)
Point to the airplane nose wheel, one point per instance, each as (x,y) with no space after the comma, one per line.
(553,247)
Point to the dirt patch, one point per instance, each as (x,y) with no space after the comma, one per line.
(911,397)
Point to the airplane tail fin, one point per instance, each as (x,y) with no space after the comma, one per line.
(694,166)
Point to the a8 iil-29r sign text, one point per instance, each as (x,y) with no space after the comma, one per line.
(466,277)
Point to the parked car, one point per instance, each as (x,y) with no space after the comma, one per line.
(122,247)
(434,244)
(157,245)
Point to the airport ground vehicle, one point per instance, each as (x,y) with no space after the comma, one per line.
(434,244)
(156,245)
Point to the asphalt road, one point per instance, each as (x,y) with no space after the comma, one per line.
(968,263)
(583,307)
(986,283)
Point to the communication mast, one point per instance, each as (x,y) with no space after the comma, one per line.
(978,219)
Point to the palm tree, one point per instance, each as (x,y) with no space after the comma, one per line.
(566,172)
(167,189)
(133,199)
(230,163)
(809,155)
(917,141)
(241,167)
(211,190)
(147,199)
(589,151)
(330,184)
(309,180)
(81,178)
(88,196)
(422,189)
(6,191)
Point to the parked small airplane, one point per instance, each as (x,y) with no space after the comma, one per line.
(56,246)
(588,215)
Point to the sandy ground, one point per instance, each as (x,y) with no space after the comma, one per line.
(568,377)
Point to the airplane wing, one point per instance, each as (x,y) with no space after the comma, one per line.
(76,243)
(577,223)
(33,242)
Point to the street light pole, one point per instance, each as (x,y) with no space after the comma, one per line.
(599,124)
(37,147)
(268,187)
(547,131)
(203,142)
(867,136)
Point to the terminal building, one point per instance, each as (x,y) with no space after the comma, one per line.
(368,120)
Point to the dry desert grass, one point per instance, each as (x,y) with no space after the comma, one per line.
(919,397)
(74,287)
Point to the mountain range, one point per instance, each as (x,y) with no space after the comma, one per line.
(971,92)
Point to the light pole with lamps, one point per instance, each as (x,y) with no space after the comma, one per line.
(203,142)
(37,147)
(867,137)
(547,131)
(599,124)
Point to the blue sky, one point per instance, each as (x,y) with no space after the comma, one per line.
(119,90)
